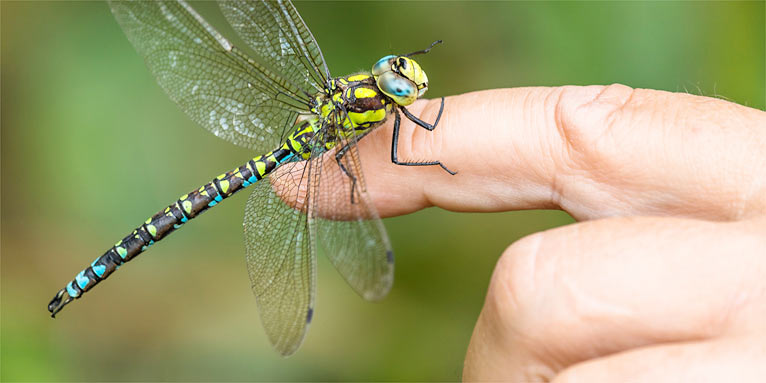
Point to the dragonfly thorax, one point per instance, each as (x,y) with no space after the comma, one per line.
(354,105)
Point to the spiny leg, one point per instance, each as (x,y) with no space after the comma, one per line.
(422,123)
(339,159)
(427,126)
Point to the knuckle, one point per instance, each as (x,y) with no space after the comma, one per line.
(586,118)
(593,126)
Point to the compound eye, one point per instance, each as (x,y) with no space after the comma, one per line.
(383,65)
(402,91)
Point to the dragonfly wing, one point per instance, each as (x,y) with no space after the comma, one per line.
(215,83)
(280,39)
(347,227)
(281,262)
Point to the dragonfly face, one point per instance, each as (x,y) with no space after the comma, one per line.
(400,78)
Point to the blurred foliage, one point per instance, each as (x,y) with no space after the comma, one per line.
(91,146)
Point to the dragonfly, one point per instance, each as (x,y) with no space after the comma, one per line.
(309,192)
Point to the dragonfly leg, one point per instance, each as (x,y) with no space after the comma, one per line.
(395,140)
(339,159)
(422,123)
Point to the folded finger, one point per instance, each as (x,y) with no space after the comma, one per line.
(610,285)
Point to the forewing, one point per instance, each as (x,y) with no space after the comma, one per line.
(347,227)
(281,261)
(215,83)
(280,39)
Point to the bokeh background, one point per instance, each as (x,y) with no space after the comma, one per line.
(91,146)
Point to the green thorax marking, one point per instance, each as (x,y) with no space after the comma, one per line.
(299,140)
(359,95)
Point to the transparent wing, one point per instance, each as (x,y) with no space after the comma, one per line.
(215,83)
(280,38)
(281,260)
(347,226)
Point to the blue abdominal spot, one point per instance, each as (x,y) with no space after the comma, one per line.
(82,280)
(99,270)
(71,290)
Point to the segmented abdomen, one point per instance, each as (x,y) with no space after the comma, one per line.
(172,217)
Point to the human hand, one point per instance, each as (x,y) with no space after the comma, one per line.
(665,277)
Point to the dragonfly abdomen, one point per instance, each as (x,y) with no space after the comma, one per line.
(164,222)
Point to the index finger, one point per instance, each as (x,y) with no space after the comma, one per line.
(592,151)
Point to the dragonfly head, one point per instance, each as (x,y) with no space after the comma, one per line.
(401,77)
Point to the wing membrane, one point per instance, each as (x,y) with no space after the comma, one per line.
(216,84)
(281,261)
(347,227)
(280,38)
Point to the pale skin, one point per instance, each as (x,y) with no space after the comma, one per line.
(663,279)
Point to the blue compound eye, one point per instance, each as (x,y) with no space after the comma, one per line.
(401,90)
(383,65)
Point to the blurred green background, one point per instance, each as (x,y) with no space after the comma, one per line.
(85,158)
